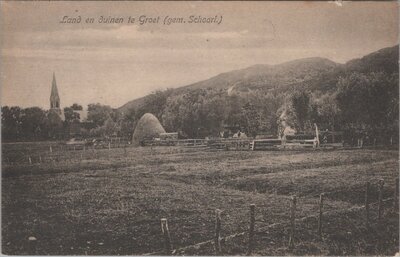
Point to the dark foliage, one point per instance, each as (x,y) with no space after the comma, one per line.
(361,95)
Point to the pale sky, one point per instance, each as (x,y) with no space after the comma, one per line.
(113,64)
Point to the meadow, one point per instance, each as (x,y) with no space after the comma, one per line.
(110,201)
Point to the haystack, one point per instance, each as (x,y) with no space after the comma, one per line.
(147,128)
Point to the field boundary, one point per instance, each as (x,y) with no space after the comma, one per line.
(56,153)
(182,250)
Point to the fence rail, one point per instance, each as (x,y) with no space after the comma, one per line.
(320,217)
(55,152)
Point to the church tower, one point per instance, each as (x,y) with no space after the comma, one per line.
(54,98)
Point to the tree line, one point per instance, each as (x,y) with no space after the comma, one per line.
(360,103)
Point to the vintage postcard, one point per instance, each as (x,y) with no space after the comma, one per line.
(199,128)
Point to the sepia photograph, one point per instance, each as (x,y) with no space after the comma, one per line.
(199,128)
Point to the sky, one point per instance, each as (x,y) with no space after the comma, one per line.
(114,63)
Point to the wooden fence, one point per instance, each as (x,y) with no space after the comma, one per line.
(321,218)
(57,152)
(240,144)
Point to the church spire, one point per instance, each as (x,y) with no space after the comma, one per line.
(54,98)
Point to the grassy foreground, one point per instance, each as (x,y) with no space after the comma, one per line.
(110,202)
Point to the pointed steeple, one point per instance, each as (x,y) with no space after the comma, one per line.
(54,98)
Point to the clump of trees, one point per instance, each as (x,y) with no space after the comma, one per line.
(25,124)
(360,101)
(34,123)
(369,101)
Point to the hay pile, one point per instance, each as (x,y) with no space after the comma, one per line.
(148,127)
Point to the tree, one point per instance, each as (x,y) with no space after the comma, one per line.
(296,110)
(11,119)
(33,123)
(54,125)
(368,100)
(98,113)
(76,107)
(234,113)
(300,105)
(213,112)
(252,116)
(127,123)
(110,128)
(267,105)
(154,103)
(195,113)
(325,112)
(170,118)
(70,115)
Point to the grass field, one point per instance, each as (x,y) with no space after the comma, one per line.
(110,202)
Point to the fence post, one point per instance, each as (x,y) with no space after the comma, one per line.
(32,241)
(30,160)
(166,235)
(251,229)
(367,205)
(217,241)
(292,221)
(380,196)
(396,195)
(321,203)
